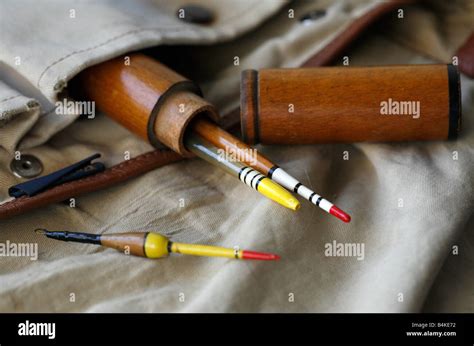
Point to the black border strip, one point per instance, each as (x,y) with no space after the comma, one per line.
(272,329)
(454,102)
(256,97)
(273,169)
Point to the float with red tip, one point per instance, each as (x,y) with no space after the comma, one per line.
(154,245)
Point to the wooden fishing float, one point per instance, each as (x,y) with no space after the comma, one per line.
(153,245)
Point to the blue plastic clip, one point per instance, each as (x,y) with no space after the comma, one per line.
(76,171)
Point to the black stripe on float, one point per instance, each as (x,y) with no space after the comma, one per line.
(169,246)
(245,176)
(454,102)
(319,201)
(295,189)
(241,170)
(311,197)
(77,237)
(144,242)
(251,181)
(273,169)
(258,182)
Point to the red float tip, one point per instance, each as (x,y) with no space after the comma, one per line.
(339,214)
(253,255)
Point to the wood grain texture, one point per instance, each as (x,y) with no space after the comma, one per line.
(343,104)
(174,115)
(140,94)
(248,106)
(234,146)
(129,243)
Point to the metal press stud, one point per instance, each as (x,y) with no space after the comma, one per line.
(28,166)
(196,14)
(312,16)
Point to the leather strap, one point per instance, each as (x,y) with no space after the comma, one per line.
(465,56)
(111,176)
(336,47)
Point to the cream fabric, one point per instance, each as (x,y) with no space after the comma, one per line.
(408,250)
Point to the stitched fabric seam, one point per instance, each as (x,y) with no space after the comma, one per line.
(10,98)
(180,29)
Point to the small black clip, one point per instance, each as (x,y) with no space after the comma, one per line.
(76,171)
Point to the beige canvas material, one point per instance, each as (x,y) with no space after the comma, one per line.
(410,202)
(47,53)
(40,68)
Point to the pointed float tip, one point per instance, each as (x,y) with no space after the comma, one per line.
(275,257)
(262,256)
(41,231)
(339,214)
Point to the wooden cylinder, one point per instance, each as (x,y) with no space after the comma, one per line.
(350,104)
(147,98)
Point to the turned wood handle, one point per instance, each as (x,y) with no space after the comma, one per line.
(146,97)
(345,104)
